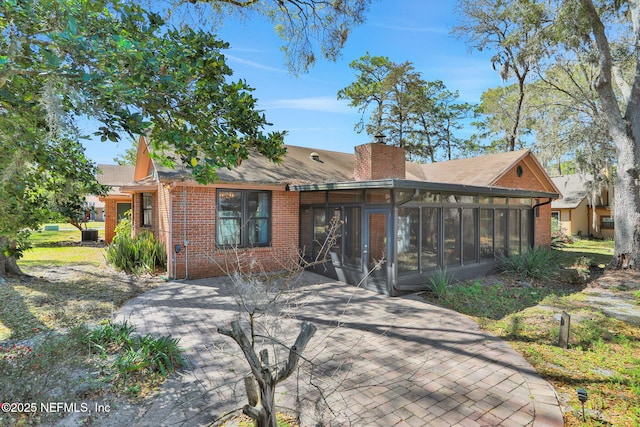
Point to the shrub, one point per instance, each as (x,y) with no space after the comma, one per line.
(440,282)
(536,263)
(139,254)
(559,238)
(137,357)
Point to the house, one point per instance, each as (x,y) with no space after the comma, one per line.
(578,212)
(399,221)
(115,204)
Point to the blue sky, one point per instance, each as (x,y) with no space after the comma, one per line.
(307,107)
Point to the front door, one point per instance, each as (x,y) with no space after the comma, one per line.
(376,250)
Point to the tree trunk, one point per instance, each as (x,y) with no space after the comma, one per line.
(8,264)
(261,405)
(624,129)
(626,207)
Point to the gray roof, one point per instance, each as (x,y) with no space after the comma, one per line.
(572,189)
(115,176)
(306,168)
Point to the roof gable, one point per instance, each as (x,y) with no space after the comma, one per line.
(573,190)
(302,165)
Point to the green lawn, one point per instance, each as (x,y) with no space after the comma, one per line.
(604,353)
(599,252)
(66,234)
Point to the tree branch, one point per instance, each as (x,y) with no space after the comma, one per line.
(307,330)
(240,337)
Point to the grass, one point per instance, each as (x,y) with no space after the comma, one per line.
(604,353)
(66,235)
(47,351)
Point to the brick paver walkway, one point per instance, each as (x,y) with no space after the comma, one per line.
(374,361)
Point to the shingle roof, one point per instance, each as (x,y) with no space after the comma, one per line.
(481,171)
(298,167)
(115,176)
(572,189)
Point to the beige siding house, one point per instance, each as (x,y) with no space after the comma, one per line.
(577,214)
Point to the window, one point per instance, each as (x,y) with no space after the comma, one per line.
(147,205)
(430,237)
(407,235)
(452,236)
(486,233)
(607,222)
(469,235)
(243,218)
(514,232)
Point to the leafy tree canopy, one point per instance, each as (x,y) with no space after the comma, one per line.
(413,113)
(122,66)
(309,28)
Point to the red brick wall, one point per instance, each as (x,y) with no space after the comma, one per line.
(529,180)
(111,215)
(201,258)
(379,161)
(136,212)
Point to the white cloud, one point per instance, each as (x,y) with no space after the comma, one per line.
(254,64)
(324,104)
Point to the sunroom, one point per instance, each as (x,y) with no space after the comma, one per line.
(392,234)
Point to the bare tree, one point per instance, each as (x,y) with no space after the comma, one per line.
(262,297)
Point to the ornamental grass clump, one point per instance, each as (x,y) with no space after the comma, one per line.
(536,263)
(440,282)
(139,254)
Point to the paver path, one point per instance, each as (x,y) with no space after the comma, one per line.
(379,361)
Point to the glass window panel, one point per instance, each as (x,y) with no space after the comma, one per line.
(501,231)
(499,200)
(469,235)
(606,221)
(428,197)
(147,211)
(319,229)
(345,196)
(258,231)
(401,196)
(486,233)
(452,236)
(407,232)
(430,234)
(378,196)
(448,198)
(485,200)
(460,198)
(516,201)
(259,211)
(336,249)
(306,232)
(525,229)
(352,236)
(229,217)
(514,232)
(313,197)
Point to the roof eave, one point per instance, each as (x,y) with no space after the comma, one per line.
(433,186)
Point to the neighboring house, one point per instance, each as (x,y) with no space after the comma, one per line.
(400,221)
(115,203)
(576,211)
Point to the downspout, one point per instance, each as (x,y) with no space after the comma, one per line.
(172,254)
(533,223)
(184,225)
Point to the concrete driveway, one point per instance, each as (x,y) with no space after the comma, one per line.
(374,361)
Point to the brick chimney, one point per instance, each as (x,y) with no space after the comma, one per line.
(378,161)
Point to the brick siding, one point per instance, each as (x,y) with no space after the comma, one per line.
(379,161)
(111,215)
(529,181)
(201,257)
